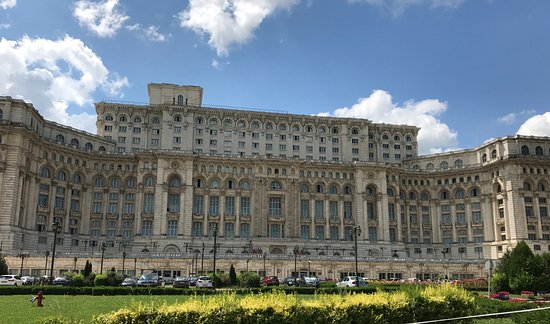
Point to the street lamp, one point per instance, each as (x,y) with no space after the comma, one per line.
(102,257)
(22,255)
(196,262)
(215,248)
(265,254)
(74,264)
(123,258)
(356,231)
(202,259)
(296,249)
(56,228)
(308,268)
(46,265)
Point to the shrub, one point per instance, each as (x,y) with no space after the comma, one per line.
(249,280)
(100,280)
(77,280)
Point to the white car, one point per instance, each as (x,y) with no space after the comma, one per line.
(204,282)
(351,281)
(10,280)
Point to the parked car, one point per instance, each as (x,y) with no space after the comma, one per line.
(204,282)
(180,282)
(270,281)
(10,280)
(129,282)
(148,280)
(352,281)
(62,281)
(193,281)
(28,280)
(290,281)
(310,281)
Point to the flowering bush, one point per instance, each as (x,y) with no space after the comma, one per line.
(526,292)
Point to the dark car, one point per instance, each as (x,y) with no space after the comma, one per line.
(193,281)
(270,281)
(148,280)
(310,281)
(129,282)
(290,281)
(180,282)
(62,281)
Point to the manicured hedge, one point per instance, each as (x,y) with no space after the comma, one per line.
(435,302)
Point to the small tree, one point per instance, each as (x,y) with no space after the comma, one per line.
(87,269)
(249,280)
(232,276)
(3,266)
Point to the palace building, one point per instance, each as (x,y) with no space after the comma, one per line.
(280,193)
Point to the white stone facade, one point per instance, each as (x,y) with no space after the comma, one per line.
(157,177)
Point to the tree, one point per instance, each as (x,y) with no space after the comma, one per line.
(519,269)
(3,266)
(87,269)
(232,276)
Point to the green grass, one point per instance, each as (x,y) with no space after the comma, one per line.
(18,309)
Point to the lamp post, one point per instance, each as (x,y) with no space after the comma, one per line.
(309,268)
(196,262)
(22,255)
(102,257)
(46,265)
(74,263)
(123,262)
(265,254)
(356,231)
(215,248)
(421,271)
(135,266)
(56,228)
(202,259)
(296,249)
(247,261)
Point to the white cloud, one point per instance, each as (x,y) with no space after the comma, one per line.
(7,4)
(55,74)
(229,22)
(5,26)
(512,117)
(149,33)
(538,125)
(102,18)
(434,135)
(397,7)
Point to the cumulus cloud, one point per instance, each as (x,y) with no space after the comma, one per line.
(397,7)
(538,125)
(7,4)
(434,136)
(229,22)
(56,74)
(511,118)
(5,26)
(149,33)
(102,18)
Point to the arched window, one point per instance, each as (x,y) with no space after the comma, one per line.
(355,131)
(245,185)
(60,138)
(88,146)
(484,158)
(61,176)
(115,182)
(385,137)
(174,182)
(474,192)
(99,181)
(180,100)
(320,188)
(347,190)
(304,187)
(525,150)
(269,126)
(108,118)
(122,119)
(45,172)
(199,183)
(282,127)
(227,123)
(412,195)
(335,130)
(102,149)
(178,118)
(396,138)
(371,191)
(444,195)
(444,165)
(275,185)
(1,115)
(322,130)
(429,166)
(541,186)
(149,181)
(155,120)
(459,163)
(333,189)
(390,192)
(230,184)
(526,186)
(137,120)
(538,151)
(75,142)
(499,188)
(77,179)
(131,183)
(214,184)
(416,167)
(459,194)
(424,196)
(493,154)
(408,139)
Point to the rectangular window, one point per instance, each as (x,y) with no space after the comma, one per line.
(196,229)
(275,206)
(245,206)
(391,212)
(245,230)
(460,218)
(230,206)
(371,213)
(348,214)
(275,231)
(334,233)
(393,234)
(373,234)
(304,208)
(529,211)
(543,210)
(319,232)
(333,209)
(172,228)
(173,203)
(148,202)
(319,209)
(304,232)
(43,200)
(229,230)
(214,205)
(147,228)
(198,204)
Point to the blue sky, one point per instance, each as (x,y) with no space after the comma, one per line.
(464,70)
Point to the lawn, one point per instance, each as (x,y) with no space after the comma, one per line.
(18,309)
